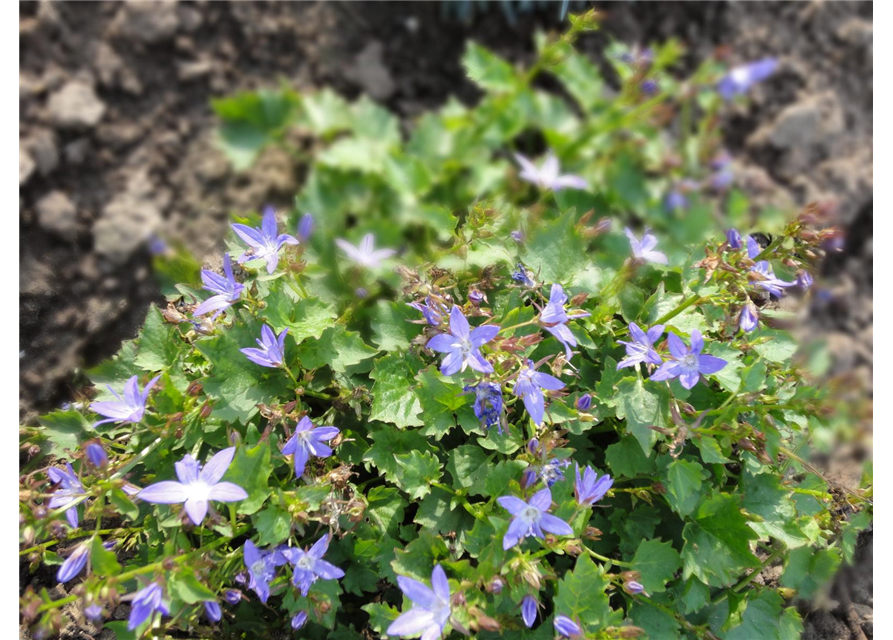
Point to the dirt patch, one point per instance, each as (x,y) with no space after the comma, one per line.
(117,143)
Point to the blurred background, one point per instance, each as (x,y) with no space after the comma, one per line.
(118,147)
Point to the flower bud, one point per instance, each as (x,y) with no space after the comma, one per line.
(495,585)
(205,410)
(232,596)
(475,296)
(633,588)
(97,456)
(630,632)
(532,445)
(733,238)
(194,389)
(305,227)
(584,402)
(487,623)
(299,620)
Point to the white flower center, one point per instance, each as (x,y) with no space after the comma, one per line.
(690,361)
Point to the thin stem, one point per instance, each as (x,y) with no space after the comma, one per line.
(81,534)
(605,559)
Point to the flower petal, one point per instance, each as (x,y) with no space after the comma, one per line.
(554,524)
(411,623)
(440,584)
(197,510)
(417,592)
(512,504)
(165,492)
(227,492)
(217,466)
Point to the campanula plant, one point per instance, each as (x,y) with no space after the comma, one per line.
(528,401)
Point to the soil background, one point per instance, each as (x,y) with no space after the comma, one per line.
(117,145)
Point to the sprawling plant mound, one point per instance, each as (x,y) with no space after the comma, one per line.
(459,397)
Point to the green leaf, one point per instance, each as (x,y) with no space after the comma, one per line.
(717,544)
(157,343)
(581,593)
(386,443)
(185,586)
(251,470)
(765,619)
(488,70)
(102,561)
(776,346)
(62,430)
(304,318)
(336,348)
(557,253)
(391,328)
(313,495)
(437,513)
(627,459)
(642,408)
(807,570)
(386,508)
(684,481)
(237,384)
(658,624)
(381,615)
(440,398)
(273,526)
(121,502)
(252,119)
(417,471)
(656,561)
(765,497)
(394,400)
(468,466)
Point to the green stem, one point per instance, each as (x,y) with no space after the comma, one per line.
(606,559)
(75,536)
(518,326)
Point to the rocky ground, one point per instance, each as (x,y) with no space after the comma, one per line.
(116,144)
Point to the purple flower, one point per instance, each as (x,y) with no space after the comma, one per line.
(93,613)
(463,345)
(430,609)
(70,488)
(740,79)
(261,567)
(157,246)
(688,363)
(232,596)
(590,488)
(272,348)
(475,296)
(496,585)
(766,278)
(644,250)
(567,628)
(550,473)
(522,276)
(649,87)
(75,563)
(365,255)
(641,348)
(487,403)
(528,610)
(675,200)
(305,226)
(130,408)
(227,289)
(532,445)
(197,485)
(638,56)
(804,279)
(212,610)
(749,318)
(531,518)
(555,319)
(529,386)
(308,441)
(722,179)
(97,456)
(145,604)
(299,620)
(435,312)
(546,176)
(584,402)
(633,588)
(734,239)
(517,235)
(264,242)
(309,565)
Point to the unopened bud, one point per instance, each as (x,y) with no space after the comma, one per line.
(194,389)
(630,632)
(205,411)
(495,585)
(487,623)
